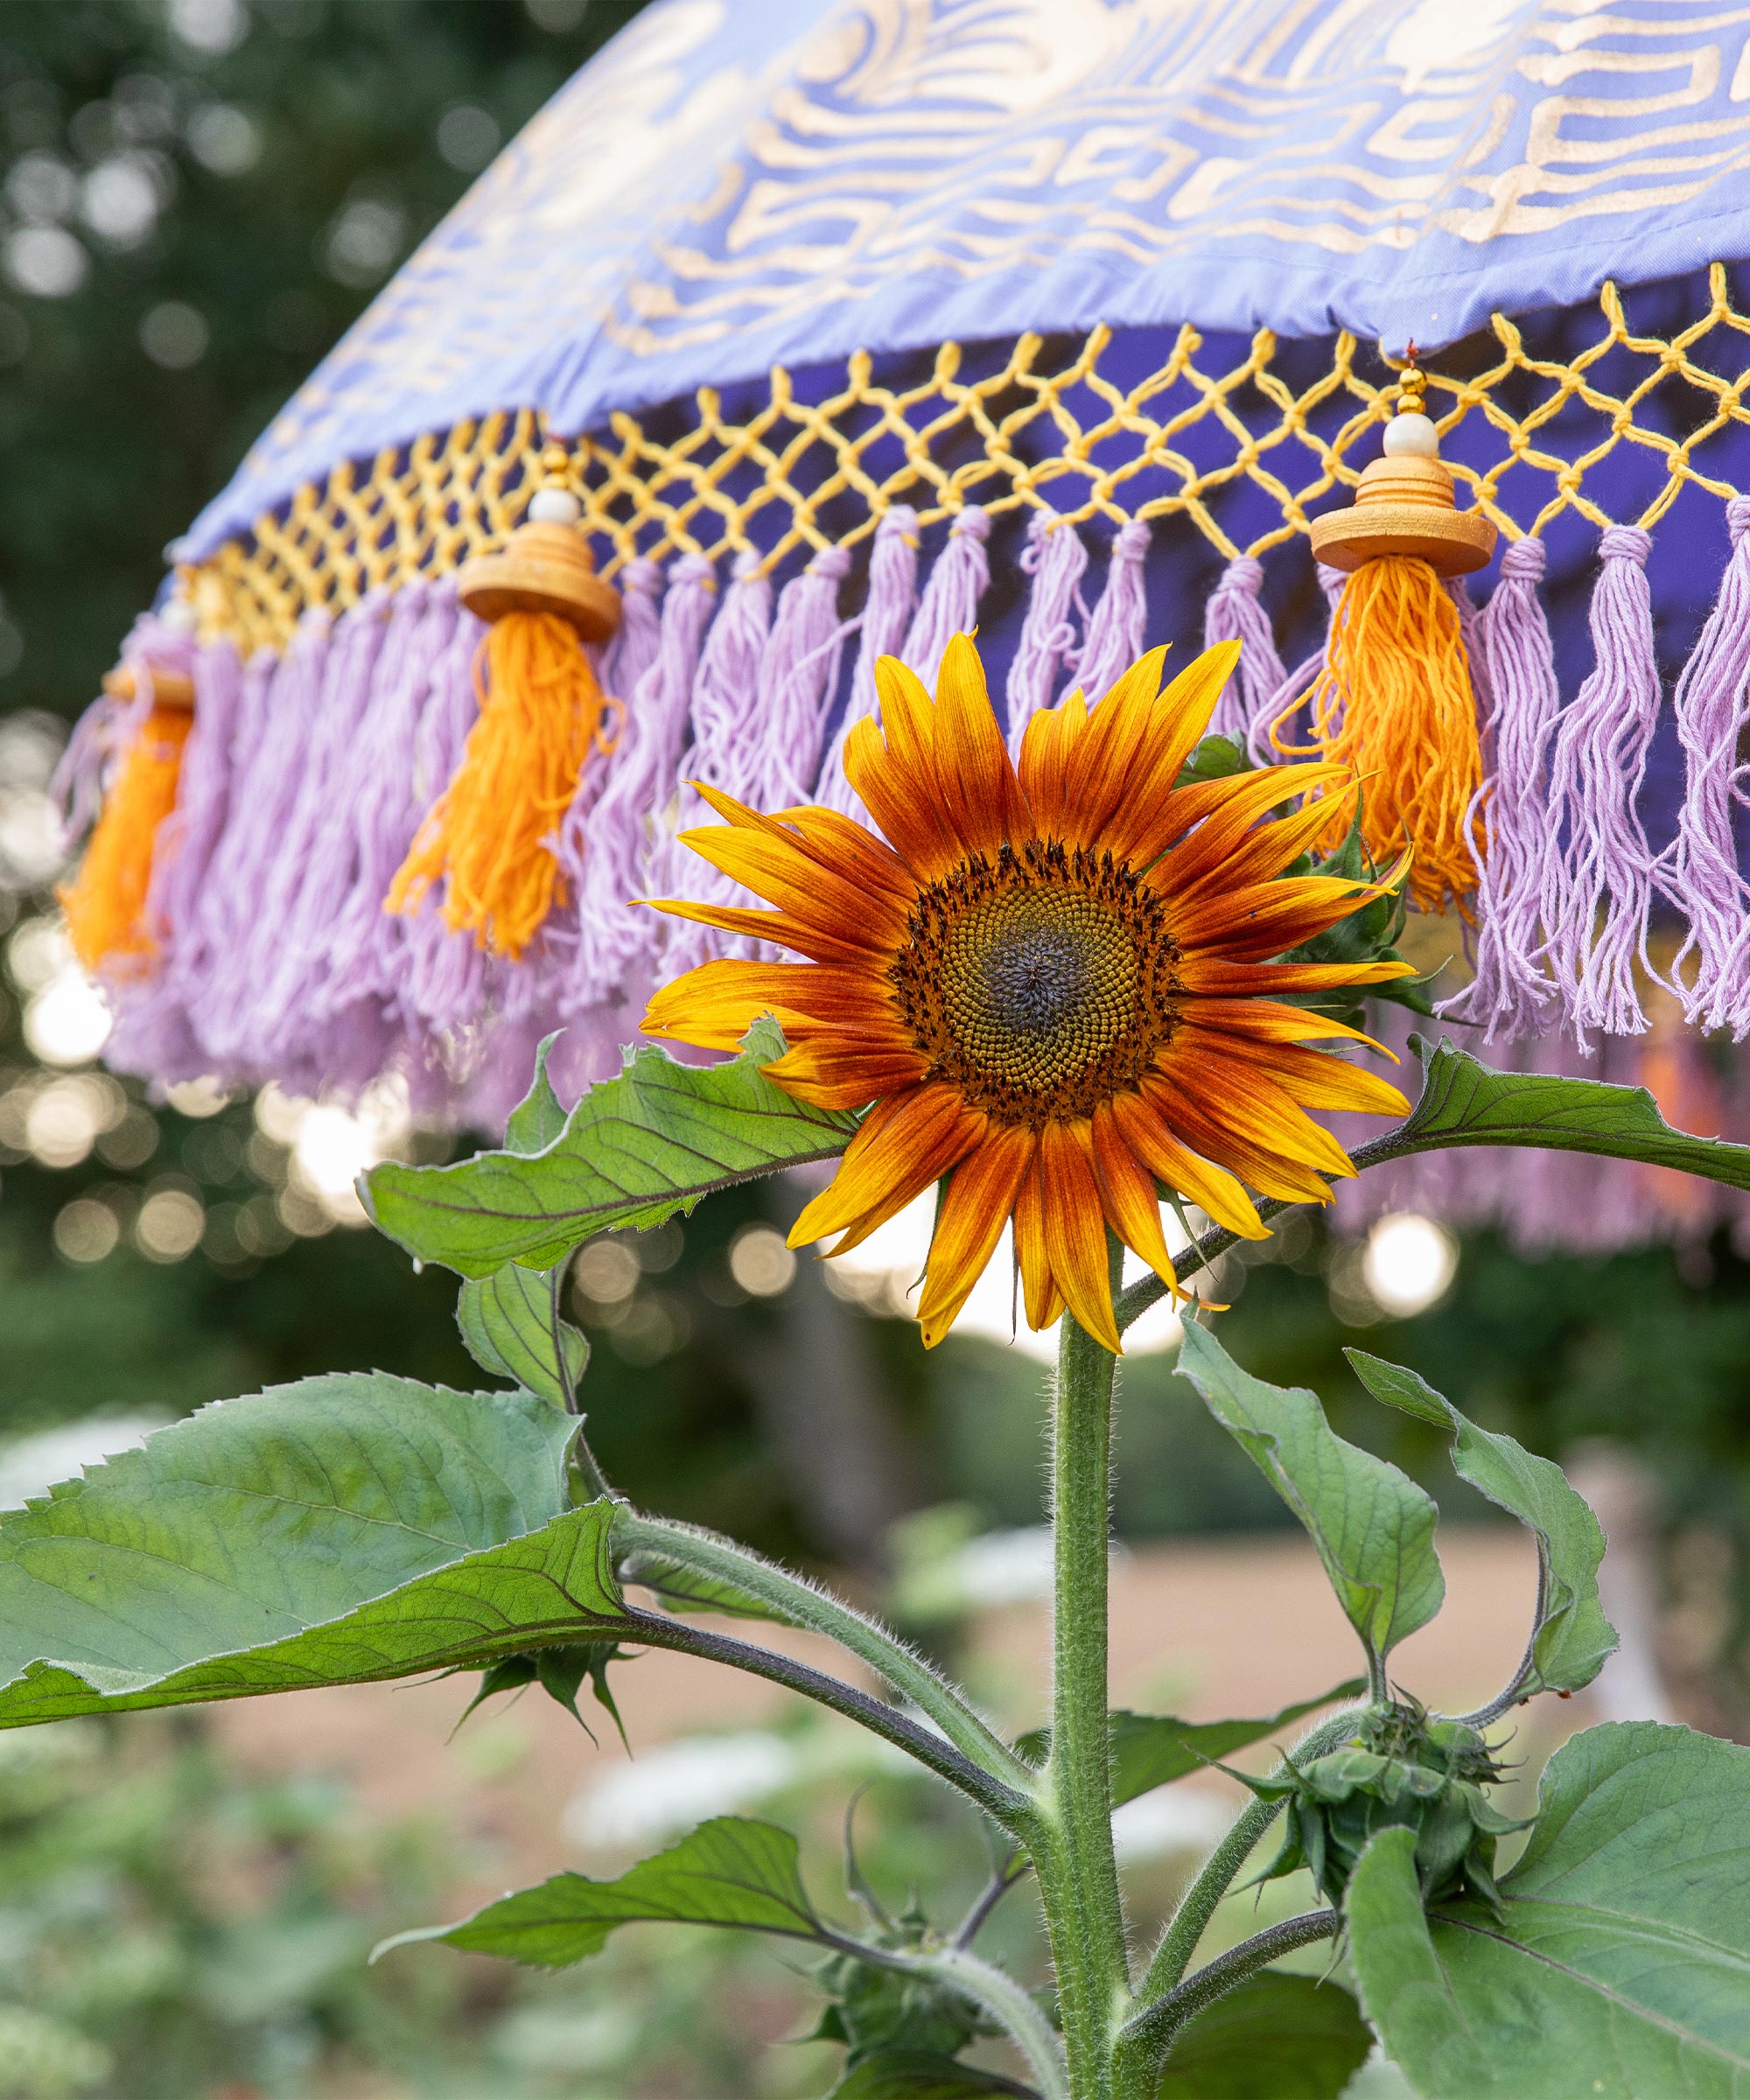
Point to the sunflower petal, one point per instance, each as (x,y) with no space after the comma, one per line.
(1075,1226)
(972,761)
(1211,1188)
(906,1141)
(1042,1300)
(977,1204)
(1128,1196)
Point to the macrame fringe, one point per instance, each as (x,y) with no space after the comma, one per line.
(1511,995)
(1598,888)
(1712,709)
(958,579)
(724,753)
(798,675)
(886,616)
(1236,612)
(617,931)
(1117,628)
(1394,701)
(1056,560)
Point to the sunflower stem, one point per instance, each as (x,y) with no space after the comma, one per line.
(793,1601)
(1077,1870)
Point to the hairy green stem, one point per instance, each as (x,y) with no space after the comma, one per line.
(651,1630)
(1145,2040)
(1077,1870)
(999,1994)
(794,1602)
(1197,1906)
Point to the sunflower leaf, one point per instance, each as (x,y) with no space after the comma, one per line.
(920,2075)
(1620,1967)
(1373,1527)
(1465,1102)
(636,1149)
(731,1871)
(1150,1750)
(508,1325)
(1290,2036)
(1573,1637)
(337,1531)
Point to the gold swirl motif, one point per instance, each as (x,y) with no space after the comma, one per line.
(652,211)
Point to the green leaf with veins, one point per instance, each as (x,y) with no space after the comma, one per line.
(1465,1102)
(1622,1968)
(731,1871)
(509,1319)
(913,2074)
(1148,1750)
(1572,1636)
(538,1118)
(636,1149)
(508,1322)
(1373,1527)
(1286,2036)
(553,1586)
(259,1518)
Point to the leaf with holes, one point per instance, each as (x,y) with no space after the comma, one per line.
(1572,1636)
(635,1150)
(1373,1527)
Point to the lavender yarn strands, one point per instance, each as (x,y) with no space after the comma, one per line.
(725,753)
(1510,994)
(1236,612)
(1598,887)
(616,931)
(263,800)
(949,603)
(1056,560)
(383,812)
(798,671)
(886,616)
(1117,631)
(1297,684)
(1712,706)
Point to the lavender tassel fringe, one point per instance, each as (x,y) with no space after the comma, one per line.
(1236,612)
(887,615)
(1056,560)
(1712,705)
(1510,994)
(1118,627)
(1597,885)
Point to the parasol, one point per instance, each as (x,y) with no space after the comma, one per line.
(786,338)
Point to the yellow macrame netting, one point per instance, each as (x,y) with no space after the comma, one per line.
(1042,427)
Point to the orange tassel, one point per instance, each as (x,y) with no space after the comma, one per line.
(105,903)
(1394,702)
(487,837)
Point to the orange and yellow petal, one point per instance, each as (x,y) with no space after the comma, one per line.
(976,1205)
(1127,1193)
(906,1142)
(1212,1189)
(1073,1221)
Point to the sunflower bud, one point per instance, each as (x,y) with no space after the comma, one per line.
(1399,1770)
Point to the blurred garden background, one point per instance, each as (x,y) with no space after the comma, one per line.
(196,197)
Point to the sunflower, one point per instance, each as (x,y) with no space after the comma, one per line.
(1054,981)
